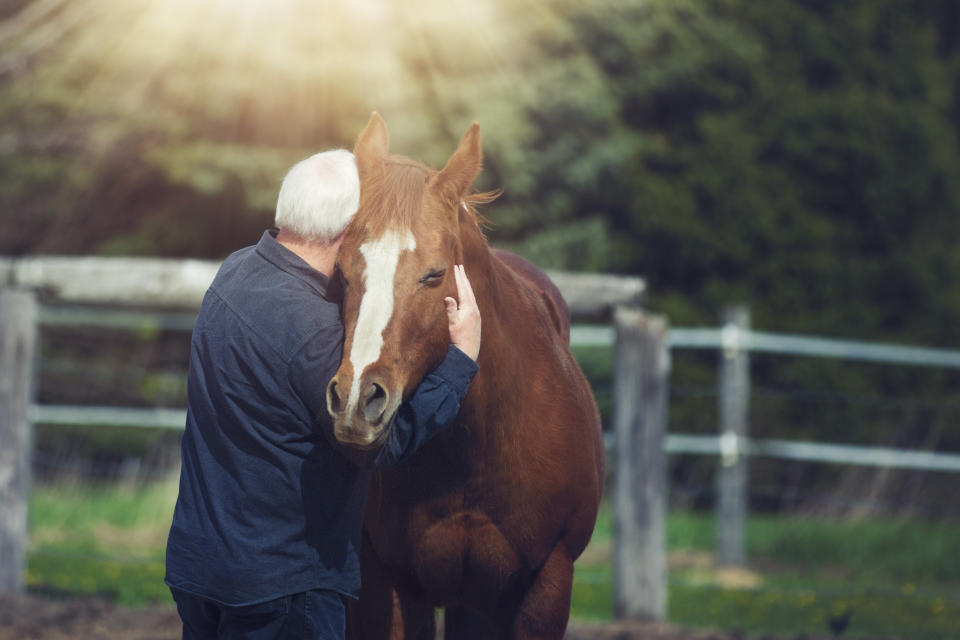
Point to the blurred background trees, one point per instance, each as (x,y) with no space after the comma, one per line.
(797,155)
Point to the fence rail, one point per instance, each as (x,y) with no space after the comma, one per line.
(173,290)
(843,454)
(784,344)
(174,419)
(78,415)
(174,283)
(590,336)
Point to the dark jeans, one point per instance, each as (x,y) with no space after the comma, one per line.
(313,615)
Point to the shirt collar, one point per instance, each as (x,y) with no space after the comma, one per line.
(288,261)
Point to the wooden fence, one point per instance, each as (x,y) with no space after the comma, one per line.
(18,313)
(176,287)
(734,342)
(642,345)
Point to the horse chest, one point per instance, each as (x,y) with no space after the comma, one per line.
(463,555)
(466,526)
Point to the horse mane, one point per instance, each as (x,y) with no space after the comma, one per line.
(398,191)
(474,200)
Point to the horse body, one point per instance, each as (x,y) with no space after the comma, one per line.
(488,517)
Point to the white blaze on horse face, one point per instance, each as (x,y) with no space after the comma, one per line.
(376,306)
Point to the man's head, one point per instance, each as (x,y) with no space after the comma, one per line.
(319,196)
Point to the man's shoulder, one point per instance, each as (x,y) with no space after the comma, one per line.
(269,304)
(238,261)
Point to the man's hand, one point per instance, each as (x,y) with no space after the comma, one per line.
(464,320)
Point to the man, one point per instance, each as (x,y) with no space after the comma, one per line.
(266,530)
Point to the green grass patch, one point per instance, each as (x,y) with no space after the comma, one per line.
(808,604)
(101,540)
(887,548)
(899,578)
(129,581)
(896,577)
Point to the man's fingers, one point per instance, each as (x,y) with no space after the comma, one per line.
(473,298)
(458,276)
(463,285)
(464,289)
(451,307)
(464,316)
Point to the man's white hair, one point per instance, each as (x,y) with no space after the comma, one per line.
(319,196)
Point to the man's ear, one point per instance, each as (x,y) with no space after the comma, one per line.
(462,168)
(372,146)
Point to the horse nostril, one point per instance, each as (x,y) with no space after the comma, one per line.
(374,403)
(333,399)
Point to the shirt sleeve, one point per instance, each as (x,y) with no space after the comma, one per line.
(433,406)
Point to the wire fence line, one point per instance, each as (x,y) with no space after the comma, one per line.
(885,457)
(581,335)
(79,415)
(137,319)
(725,340)
(675,442)
(780,343)
(176,287)
(732,339)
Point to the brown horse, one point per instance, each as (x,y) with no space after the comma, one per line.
(487,519)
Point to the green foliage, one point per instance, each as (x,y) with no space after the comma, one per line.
(131,582)
(100,540)
(802,158)
(898,550)
(802,573)
(796,155)
(597,366)
(807,606)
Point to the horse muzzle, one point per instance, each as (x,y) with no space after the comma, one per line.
(361,420)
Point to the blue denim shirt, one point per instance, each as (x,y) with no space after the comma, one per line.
(267,505)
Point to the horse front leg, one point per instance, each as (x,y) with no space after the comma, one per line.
(545,607)
(384,612)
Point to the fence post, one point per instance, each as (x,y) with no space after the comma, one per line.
(18,330)
(734,403)
(642,368)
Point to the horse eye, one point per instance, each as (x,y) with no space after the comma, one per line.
(433,277)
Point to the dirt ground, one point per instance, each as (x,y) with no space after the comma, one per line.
(25,617)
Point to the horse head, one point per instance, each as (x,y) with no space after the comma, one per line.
(396,267)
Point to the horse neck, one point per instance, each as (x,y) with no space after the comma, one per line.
(498,310)
(488,413)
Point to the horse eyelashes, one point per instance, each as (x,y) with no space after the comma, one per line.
(433,277)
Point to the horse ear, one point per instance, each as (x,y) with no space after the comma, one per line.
(372,145)
(462,167)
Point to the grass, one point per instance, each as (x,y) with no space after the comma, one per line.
(900,578)
(101,540)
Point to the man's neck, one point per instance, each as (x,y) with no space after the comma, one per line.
(319,256)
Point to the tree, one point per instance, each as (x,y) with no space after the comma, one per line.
(799,156)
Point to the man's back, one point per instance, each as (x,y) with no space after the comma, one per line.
(267,507)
